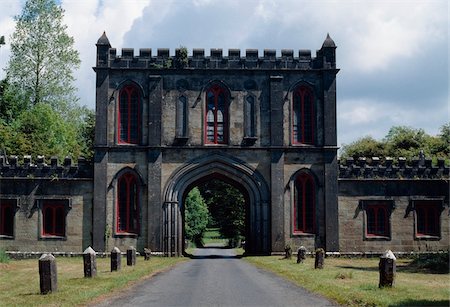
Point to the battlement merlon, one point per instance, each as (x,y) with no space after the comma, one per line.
(376,168)
(107,57)
(11,167)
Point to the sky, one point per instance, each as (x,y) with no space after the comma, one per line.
(393,55)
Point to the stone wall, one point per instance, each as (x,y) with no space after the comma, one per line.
(29,183)
(401,185)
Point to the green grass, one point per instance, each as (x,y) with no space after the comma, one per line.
(3,257)
(19,282)
(212,236)
(354,282)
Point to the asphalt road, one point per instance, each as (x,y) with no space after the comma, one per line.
(216,278)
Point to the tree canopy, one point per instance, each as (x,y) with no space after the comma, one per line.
(43,58)
(39,114)
(402,141)
(226,205)
(196,216)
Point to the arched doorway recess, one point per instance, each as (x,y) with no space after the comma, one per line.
(235,172)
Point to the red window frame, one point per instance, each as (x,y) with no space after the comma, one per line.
(53,218)
(427,216)
(304,204)
(129,115)
(127,217)
(302,122)
(7,212)
(377,220)
(213,94)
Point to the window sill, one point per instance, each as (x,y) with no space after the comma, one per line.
(376,238)
(125,235)
(52,238)
(303,234)
(6,237)
(427,237)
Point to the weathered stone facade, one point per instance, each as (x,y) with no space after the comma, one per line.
(159,133)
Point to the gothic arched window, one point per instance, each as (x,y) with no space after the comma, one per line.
(303,116)
(127,216)
(304,204)
(129,117)
(216,115)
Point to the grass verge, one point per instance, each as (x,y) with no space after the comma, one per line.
(354,282)
(19,282)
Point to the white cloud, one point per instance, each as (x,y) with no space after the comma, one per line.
(393,54)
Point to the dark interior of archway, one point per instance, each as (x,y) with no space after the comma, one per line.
(226,203)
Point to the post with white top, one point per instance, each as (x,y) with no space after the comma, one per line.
(89,262)
(47,274)
(387,268)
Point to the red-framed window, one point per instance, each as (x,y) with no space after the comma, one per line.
(7,213)
(304,204)
(377,219)
(129,115)
(216,115)
(303,116)
(428,218)
(127,204)
(54,218)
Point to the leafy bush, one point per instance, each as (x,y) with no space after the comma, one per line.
(436,263)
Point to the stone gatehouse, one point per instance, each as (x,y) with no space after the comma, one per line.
(265,123)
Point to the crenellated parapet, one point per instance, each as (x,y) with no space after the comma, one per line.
(376,168)
(11,167)
(108,57)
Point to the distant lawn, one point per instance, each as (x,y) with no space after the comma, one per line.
(212,236)
(19,280)
(354,282)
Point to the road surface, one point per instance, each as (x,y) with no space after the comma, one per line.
(215,277)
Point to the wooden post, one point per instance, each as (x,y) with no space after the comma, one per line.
(47,274)
(301,254)
(116,258)
(387,268)
(89,262)
(131,256)
(320,256)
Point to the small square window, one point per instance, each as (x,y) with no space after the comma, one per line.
(53,218)
(377,222)
(427,218)
(7,215)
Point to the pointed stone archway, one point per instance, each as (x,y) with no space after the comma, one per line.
(234,171)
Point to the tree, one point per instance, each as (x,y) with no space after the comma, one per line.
(402,141)
(196,217)
(226,205)
(38,110)
(42,57)
(363,147)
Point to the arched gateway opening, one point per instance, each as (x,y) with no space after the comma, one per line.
(232,171)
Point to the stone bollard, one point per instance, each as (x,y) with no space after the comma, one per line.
(131,256)
(288,251)
(320,256)
(89,262)
(47,274)
(116,258)
(301,254)
(147,253)
(387,268)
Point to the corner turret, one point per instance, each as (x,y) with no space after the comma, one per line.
(328,51)
(103,47)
